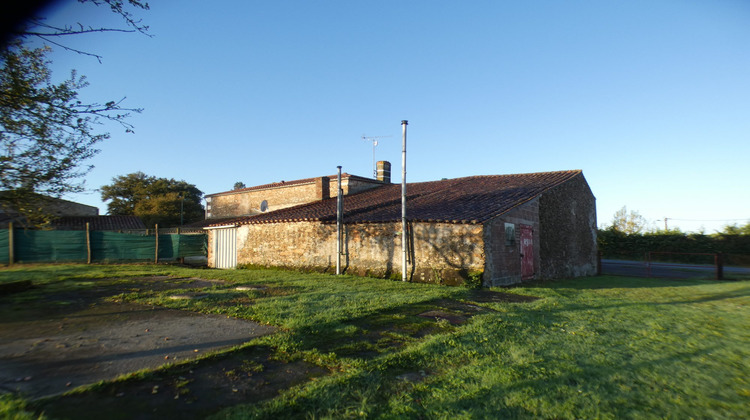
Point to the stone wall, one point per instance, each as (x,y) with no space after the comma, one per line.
(447,253)
(503,266)
(354,184)
(442,253)
(60,207)
(246,203)
(48,205)
(567,216)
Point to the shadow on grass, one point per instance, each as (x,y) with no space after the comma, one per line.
(620,282)
(379,333)
(384,332)
(192,390)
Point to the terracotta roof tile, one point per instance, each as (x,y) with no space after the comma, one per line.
(473,199)
(98,223)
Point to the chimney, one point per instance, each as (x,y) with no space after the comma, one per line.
(384,171)
(323,187)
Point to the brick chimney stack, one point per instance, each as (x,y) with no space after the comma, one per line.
(384,171)
(322,187)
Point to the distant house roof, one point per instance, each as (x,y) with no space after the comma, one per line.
(50,205)
(111,223)
(473,199)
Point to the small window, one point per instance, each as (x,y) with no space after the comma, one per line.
(510,234)
(263,205)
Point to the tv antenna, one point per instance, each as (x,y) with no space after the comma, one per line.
(374,140)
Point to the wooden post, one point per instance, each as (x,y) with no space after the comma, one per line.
(180,259)
(11,256)
(156,232)
(88,244)
(719,262)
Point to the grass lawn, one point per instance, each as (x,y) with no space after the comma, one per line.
(600,347)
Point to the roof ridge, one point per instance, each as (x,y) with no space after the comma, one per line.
(471,199)
(515,175)
(283,183)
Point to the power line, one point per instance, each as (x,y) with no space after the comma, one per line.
(707,220)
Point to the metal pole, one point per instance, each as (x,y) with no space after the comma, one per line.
(11,244)
(404,246)
(339,219)
(719,263)
(182,205)
(88,243)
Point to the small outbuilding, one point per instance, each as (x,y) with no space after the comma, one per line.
(497,229)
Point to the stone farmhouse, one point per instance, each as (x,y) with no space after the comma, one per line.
(499,229)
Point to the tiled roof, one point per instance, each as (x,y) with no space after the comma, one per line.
(209,222)
(473,199)
(98,223)
(290,183)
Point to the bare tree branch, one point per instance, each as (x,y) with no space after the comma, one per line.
(37,27)
(65,47)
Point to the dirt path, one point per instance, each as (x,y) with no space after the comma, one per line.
(47,348)
(57,337)
(42,358)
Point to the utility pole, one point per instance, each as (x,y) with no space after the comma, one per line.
(339,220)
(404,237)
(666,228)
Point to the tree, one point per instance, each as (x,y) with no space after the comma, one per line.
(239,185)
(162,201)
(628,223)
(736,230)
(46,132)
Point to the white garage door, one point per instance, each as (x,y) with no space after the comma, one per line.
(225,247)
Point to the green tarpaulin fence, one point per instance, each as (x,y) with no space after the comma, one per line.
(72,246)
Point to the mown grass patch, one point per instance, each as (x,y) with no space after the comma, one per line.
(602,347)
(15,408)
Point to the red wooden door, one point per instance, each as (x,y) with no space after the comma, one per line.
(527,252)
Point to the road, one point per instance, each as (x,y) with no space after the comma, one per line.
(666,270)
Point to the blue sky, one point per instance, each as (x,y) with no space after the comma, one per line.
(651,99)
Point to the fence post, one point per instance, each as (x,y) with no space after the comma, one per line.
(719,261)
(88,244)
(11,255)
(156,231)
